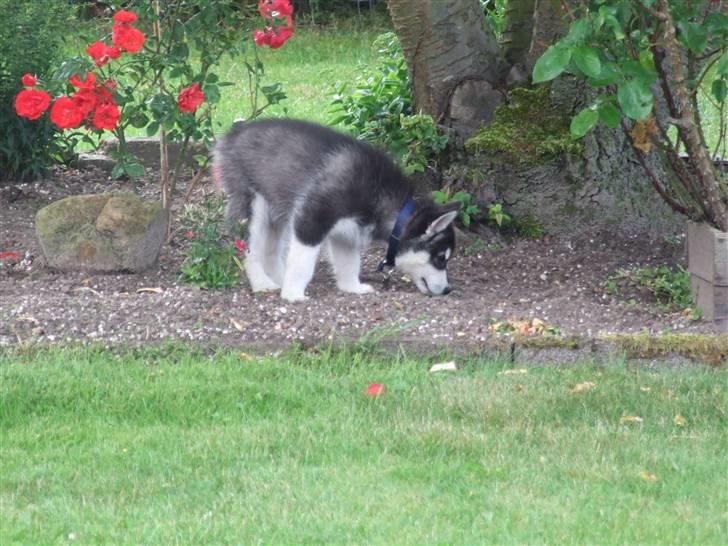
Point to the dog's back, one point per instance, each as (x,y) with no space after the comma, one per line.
(299,166)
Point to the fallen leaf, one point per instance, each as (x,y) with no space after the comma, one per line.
(679,420)
(630,419)
(244,356)
(513,371)
(523,327)
(375,389)
(444,367)
(645,389)
(648,476)
(583,387)
(154,289)
(236,324)
(520,388)
(398,305)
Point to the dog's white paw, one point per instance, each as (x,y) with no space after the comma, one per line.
(263,285)
(293,296)
(359,288)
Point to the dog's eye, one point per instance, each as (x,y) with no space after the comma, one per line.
(440,260)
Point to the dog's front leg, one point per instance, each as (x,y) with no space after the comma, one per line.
(300,265)
(346,260)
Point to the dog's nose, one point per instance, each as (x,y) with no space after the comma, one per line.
(446,290)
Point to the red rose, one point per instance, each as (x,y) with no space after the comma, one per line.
(65,114)
(279,37)
(273,38)
(125,17)
(88,83)
(31,103)
(375,390)
(29,80)
(240,246)
(190,98)
(85,100)
(127,38)
(275,8)
(106,116)
(262,37)
(101,53)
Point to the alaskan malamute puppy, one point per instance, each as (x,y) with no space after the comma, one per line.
(304,186)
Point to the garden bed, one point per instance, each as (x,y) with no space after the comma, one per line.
(499,289)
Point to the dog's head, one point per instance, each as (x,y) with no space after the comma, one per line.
(426,244)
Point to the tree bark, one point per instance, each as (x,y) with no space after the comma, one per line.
(715,197)
(549,24)
(515,39)
(455,65)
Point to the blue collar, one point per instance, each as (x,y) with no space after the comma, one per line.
(404,214)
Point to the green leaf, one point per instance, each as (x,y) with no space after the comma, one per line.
(212,93)
(583,122)
(587,59)
(551,63)
(134,170)
(609,75)
(693,35)
(722,64)
(139,120)
(610,115)
(635,98)
(719,89)
(152,128)
(117,171)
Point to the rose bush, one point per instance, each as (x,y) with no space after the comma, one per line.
(155,72)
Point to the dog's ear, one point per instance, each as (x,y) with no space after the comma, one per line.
(447,214)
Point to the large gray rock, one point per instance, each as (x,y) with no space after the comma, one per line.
(102,233)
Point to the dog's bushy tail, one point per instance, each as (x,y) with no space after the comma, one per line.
(233,185)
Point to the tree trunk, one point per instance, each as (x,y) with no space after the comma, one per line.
(456,68)
(549,24)
(515,39)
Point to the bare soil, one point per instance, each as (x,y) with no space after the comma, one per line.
(559,281)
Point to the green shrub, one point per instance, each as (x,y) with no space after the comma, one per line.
(30,36)
(468,211)
(379,110)
(212,260)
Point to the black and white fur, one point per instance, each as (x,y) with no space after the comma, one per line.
(304,186)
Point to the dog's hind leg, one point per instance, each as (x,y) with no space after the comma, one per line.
(259,245)
(300,265)
(274,259)
(346,260)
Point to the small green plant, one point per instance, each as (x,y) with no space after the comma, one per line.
(529,227)
(379,110)
(498,216)
(468,210)
(494,11)
(671,288)
(212,260)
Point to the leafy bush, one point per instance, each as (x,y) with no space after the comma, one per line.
(468,211)
(29,37)
(670,288)
(494,11)
(379,110)
(212,261)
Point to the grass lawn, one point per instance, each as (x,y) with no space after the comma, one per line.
(161,446)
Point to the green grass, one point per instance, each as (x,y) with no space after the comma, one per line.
(171,446)
(308,66)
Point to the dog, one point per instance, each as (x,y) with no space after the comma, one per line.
(303,187)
